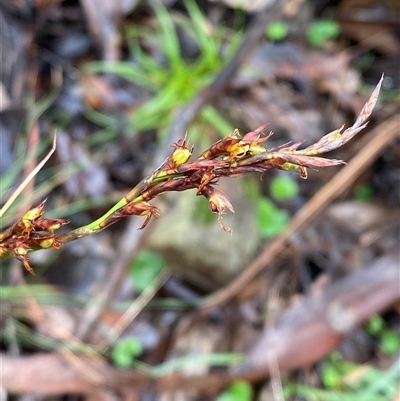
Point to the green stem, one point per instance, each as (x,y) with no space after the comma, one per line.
(132,196)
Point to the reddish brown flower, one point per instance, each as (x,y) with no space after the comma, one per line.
(47,224)
(232,147)
(217,202)
(221,147)
(47,241)
(182,153)
(179,156)
(141,209)
(20,250)
(34,213)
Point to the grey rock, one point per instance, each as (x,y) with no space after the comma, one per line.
(204,253)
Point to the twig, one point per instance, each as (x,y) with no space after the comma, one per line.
(317,317)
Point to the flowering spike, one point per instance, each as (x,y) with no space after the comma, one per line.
(26,224)
(206,178)
(368,107)
(249,144)
(336,138)
(291,148)
(229,156)
(48,224)
(20,251)
(255,135)
(25,262)
(50,241)
(141,209)
(180,155)
(34,213)
(221,147)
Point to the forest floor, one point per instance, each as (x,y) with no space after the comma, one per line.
(301,301)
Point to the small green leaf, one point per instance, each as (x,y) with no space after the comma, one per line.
(145,268)
(319,32)
(270,220)
(375,325)
(238,391)
(390,342)
(125,351)
(277,30)
(331,377)
(284,187)
(363,192)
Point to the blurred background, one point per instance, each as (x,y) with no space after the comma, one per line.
(152,314)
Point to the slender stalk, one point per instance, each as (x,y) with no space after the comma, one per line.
(227,157)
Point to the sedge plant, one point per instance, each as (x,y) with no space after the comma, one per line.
(173,79)
(229,157)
